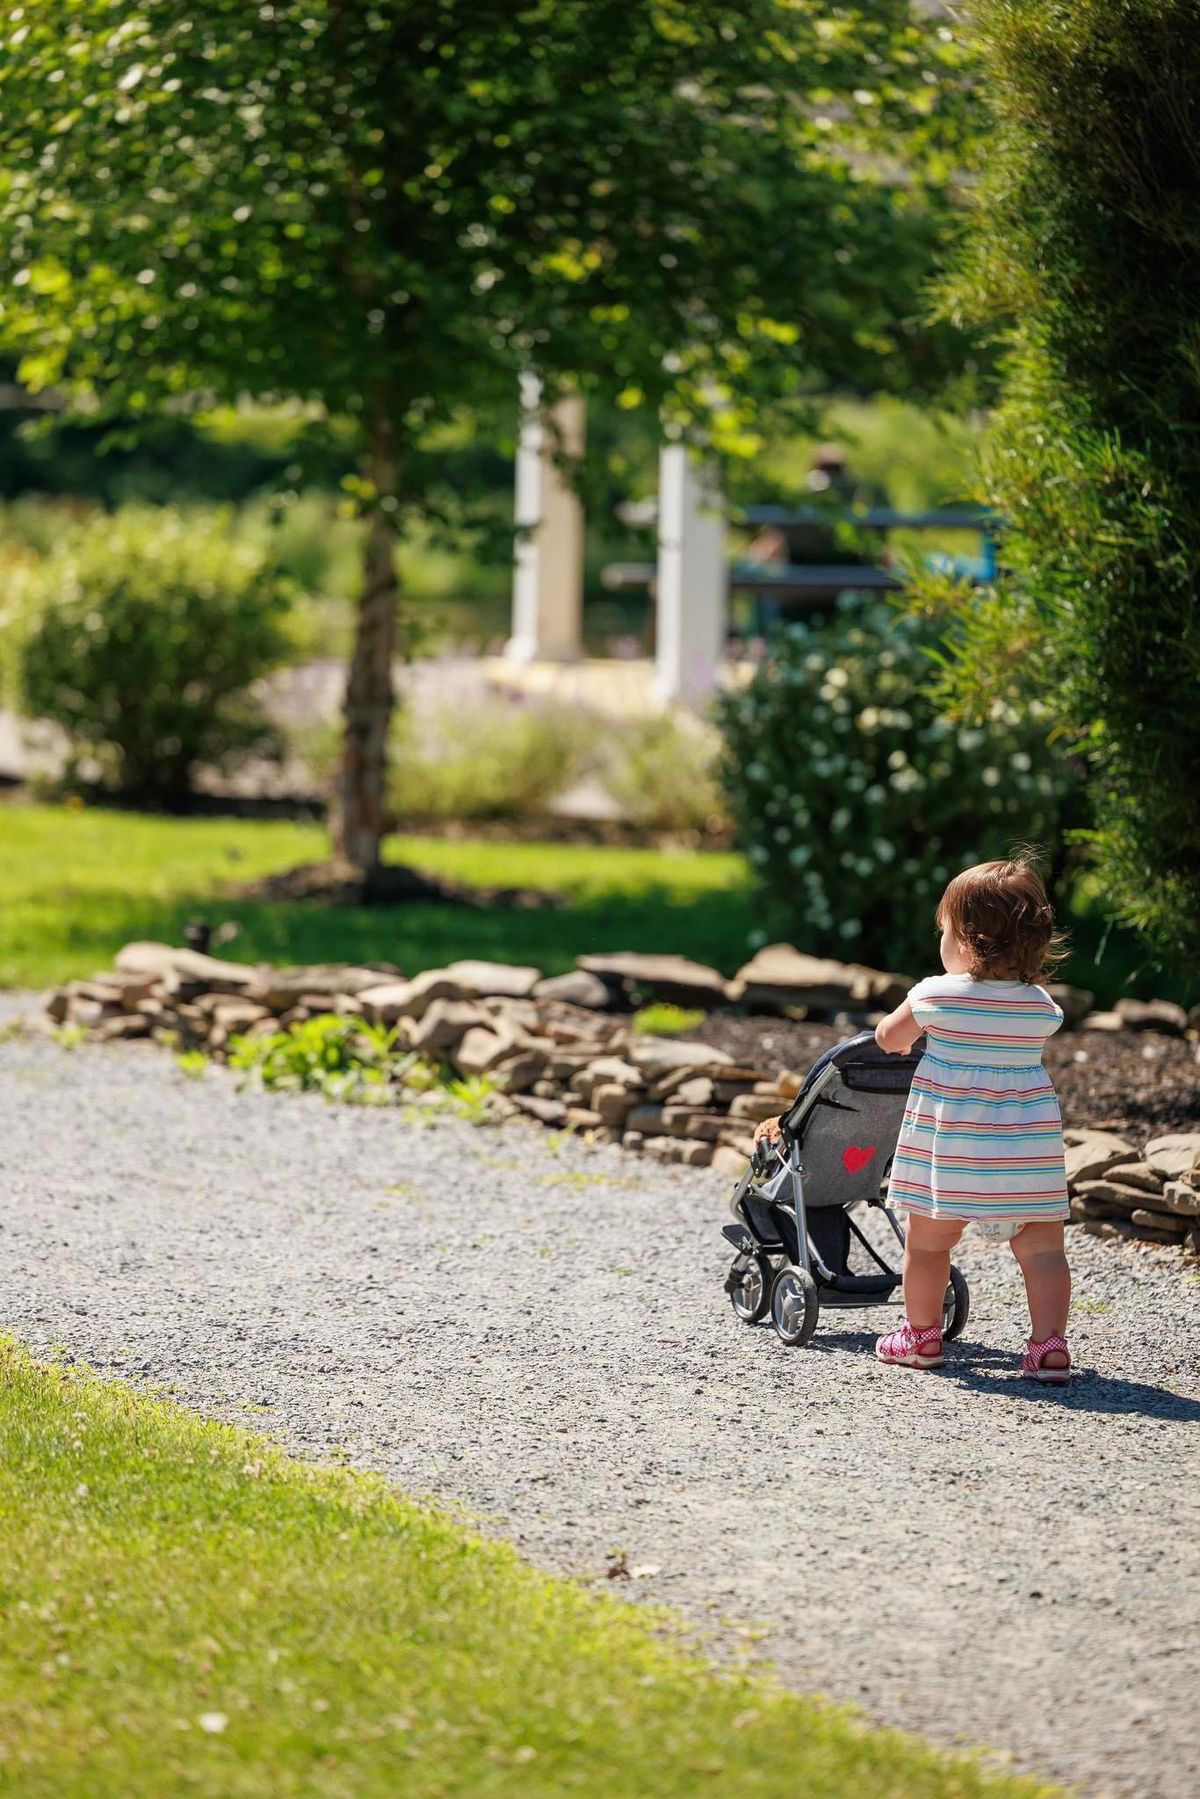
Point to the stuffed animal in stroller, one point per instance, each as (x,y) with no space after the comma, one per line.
(793,1228)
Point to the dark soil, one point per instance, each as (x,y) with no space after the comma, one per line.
(335,884)
(1138,1083)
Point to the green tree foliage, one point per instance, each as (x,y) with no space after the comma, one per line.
(387,208)
(856,799)
(141,635)
(1087,234)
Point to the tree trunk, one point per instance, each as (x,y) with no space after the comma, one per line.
(361,812)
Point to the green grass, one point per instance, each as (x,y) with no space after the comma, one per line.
(76,884)
(187,1611)
(661,1020)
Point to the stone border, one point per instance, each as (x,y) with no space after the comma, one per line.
(563,1051)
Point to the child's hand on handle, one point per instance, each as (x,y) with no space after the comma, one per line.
(898,1031)
(769,1131)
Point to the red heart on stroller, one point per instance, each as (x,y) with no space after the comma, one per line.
(857,1157)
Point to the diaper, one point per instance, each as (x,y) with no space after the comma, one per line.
(998,1230)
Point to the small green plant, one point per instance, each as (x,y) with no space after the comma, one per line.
(193,1063)
(661,1020)
(69,1036)
(343,1058)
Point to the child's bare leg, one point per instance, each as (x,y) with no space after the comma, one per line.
(1042,1256)
(927,1267)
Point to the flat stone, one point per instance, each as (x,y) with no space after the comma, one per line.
(612,1100)
(1103,1021)
(1153,1015)
(480,1050)
(1174,1156)
(1135,1174)
(616,1068)
(577,989)
(519,1073)
(162,959)
(1076,1003)
(661,1055)
(443,1025)
(582,1118)
(782,978)
(1181,1197)
(727,1160)
(1158,1222)
(675,979)
(1084,1207)
(128,1024)
(494,980)
(385,1003)
(239,1014)
(1125,1199)
(1090,1153)
(56,1004)
(546,1111)
(317,984)
(697,1093)
(755,1106)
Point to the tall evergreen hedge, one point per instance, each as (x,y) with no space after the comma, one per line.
(1085,248)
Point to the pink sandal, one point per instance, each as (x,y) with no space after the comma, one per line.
(1032,1362)
(909,1348)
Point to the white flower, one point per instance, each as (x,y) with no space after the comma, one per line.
(991,777)
(837,677)
(1021,759)
(849,927)
(840,819)
(970,740)
(897,759)
(756,771)
(815,663)
(799,855)
(884,851)
(875,794)
(887,659)
(868,718)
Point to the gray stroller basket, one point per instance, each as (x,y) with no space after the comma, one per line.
(793,1229)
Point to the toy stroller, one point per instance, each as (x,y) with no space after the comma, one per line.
(793,1230)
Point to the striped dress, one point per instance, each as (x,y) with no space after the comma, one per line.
(982,1133)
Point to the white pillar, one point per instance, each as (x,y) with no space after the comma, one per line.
(548,558)
(692,580)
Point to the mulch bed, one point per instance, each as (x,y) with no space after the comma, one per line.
(333,884)
(1138,1083)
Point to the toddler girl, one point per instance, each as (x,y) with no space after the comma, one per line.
(981,1140)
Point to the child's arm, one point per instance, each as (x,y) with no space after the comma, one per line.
(898,1031)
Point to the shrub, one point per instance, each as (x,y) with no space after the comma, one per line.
(855,800)
(1087,232)
(486,757)
(662,773)
(140,636)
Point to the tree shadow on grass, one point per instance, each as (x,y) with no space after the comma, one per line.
(86,929)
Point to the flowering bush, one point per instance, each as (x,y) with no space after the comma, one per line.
(856,801)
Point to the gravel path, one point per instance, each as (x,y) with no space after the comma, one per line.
(539,1333)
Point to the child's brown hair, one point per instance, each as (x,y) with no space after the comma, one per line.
(999,910)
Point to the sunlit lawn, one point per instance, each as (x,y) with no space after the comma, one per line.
(187,1611)
(75,885)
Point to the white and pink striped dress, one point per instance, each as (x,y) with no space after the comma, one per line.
(982,1133)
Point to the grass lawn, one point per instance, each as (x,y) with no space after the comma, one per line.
(185,1610)
(75,885)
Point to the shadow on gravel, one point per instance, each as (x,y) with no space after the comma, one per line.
(986,1370)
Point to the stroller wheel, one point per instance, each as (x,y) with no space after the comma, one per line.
(751,1296)
(956,1307)
(795,1304)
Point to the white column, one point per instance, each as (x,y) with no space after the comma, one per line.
(548,557)
(692,579)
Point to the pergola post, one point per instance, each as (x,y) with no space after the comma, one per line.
(547,614)
(693,583)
